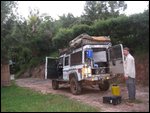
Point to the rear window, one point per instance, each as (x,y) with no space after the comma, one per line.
(115,52)
(99,55)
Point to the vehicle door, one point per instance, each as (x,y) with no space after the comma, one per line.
(116,59)
(51,68)
(66,67)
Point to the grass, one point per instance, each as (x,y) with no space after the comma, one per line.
(17,99)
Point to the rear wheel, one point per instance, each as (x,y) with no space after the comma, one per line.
(104,86)
(55,84)
(75,86)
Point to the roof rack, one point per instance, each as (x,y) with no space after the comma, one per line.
(85,39)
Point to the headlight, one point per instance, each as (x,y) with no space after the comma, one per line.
(86,71)
(107,77)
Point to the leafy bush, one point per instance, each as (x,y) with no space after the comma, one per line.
(62,38)
(132,31)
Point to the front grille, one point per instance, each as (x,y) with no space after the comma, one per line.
(101,70)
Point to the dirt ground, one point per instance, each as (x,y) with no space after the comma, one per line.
(93,96)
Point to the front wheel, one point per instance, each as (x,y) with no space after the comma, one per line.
(75,86)
(55,84)
(104,86)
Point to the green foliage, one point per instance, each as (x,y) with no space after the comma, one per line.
(17,99)
(39,47)
(7,22)
(5,40)
(24,40)
(132,31)
(6,10)
(62,38)
(103,9)
(67,20)
(54,54)
(21,68)
(79,29)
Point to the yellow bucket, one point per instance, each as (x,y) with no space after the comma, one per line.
(115,90)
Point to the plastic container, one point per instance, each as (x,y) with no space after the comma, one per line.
(115,90)
(89,53)
(112,99)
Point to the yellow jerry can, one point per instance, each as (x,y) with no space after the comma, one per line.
(115,90)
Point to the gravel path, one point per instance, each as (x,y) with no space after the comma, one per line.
(92,96)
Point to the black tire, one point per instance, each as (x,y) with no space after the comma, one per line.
(75,86)
(55,84)
(104,86)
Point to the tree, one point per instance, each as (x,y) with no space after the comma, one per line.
(6,10)
(91,12)
(34,20)
(7,21)
(67,20)
(103,9)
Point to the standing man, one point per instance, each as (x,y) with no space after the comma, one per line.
(129,74)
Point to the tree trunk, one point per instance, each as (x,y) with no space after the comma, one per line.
(5,75)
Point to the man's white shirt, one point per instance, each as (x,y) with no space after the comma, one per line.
(129,66)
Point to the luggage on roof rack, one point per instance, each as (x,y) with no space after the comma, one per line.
(85,39)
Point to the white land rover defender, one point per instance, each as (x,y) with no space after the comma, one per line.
(89,60)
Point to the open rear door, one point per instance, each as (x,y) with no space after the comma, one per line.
(116,60)
(51,68)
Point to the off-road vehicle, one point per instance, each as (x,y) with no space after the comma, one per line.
(89,60)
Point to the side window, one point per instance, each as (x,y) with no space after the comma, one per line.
(66,60)
(76,58)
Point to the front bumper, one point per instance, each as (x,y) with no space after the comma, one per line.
(97,77)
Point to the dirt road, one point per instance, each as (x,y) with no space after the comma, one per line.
(93,96)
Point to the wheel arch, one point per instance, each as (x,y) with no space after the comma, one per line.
(73,74)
